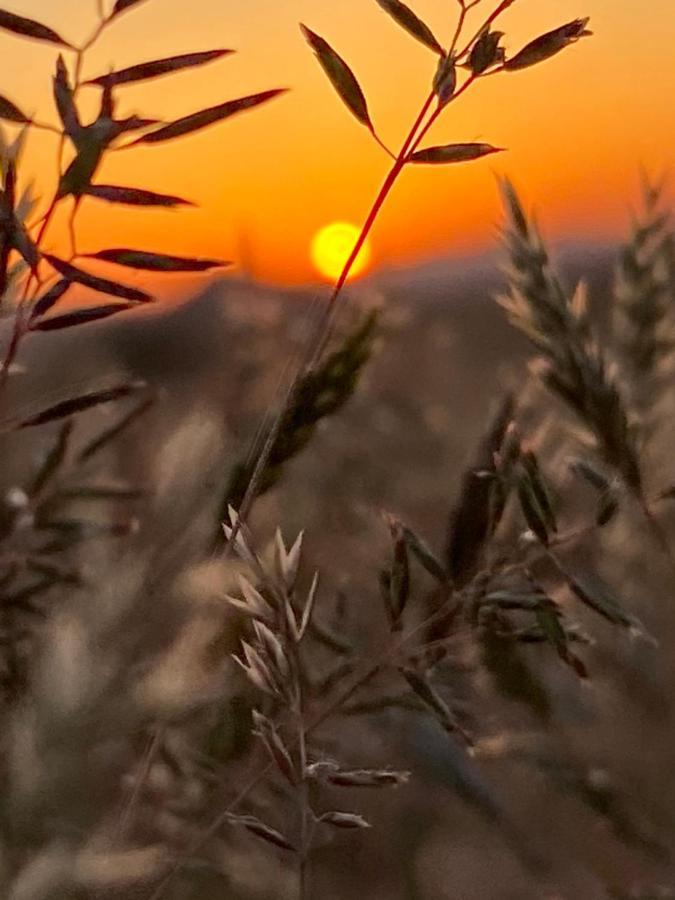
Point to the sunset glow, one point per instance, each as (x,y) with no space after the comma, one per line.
(577,128)
(332,246)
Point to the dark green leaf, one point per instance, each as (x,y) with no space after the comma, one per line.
(11,113)
(23,243)
(407,19)
(80,317)
(453,153)
(261,830)
(103,285)
(76,179)
(340,76)
(549,621)
(399,574)
(65,103)
(54,459)
(30,28)
(540,489)
(597,596)
(106,437)
(79,404)
(147,70)
(480,506)
(133,196)
(48,300)
(204,118)
(532,511)
(122,6)
(424,556)
(156,262)
(434,701)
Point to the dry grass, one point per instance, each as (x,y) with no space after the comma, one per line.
(182,725)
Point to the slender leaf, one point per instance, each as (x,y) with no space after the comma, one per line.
(29,28)
(72,273)
(340,76)
(205,117)
(434,702)
(134,196)
(24,244)
(65,103)
(76,180)
(407,19)
(261,830)
(102,440)
(122,6)
(11,113)
(445,80)
(340,819)
(134,123)
(48,300)
(79,404)
(547,45)
(424,555)
(453,153)
(595,594)
(156,262)
(155,68)
(54,459)
(80,317)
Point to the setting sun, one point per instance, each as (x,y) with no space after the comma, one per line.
(331,247)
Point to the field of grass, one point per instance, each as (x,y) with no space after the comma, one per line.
(305,599)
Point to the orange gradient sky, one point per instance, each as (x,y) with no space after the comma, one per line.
(577,128)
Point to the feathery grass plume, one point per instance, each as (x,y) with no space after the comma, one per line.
(572,365)
(645,294)
(322,392)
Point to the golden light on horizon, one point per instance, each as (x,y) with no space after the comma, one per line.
(332,246)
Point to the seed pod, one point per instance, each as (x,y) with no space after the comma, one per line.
(344,820)
(399,576)
(486,52)
(547,45)
(445,81)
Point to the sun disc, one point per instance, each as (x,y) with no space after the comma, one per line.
(332,246)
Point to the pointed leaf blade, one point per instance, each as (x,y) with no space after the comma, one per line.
(11,113)
(122,6)
(548,45)
(156,262)
(79,404)
(103,285)
(340,76)
(205,117)
(50,299)
(30,28)
(134,196)
(65,103)
(80,317)
(453,153)
(155,68)
(409,21)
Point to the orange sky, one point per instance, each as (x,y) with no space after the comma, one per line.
(577,127)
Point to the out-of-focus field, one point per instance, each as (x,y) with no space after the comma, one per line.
(573,802)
